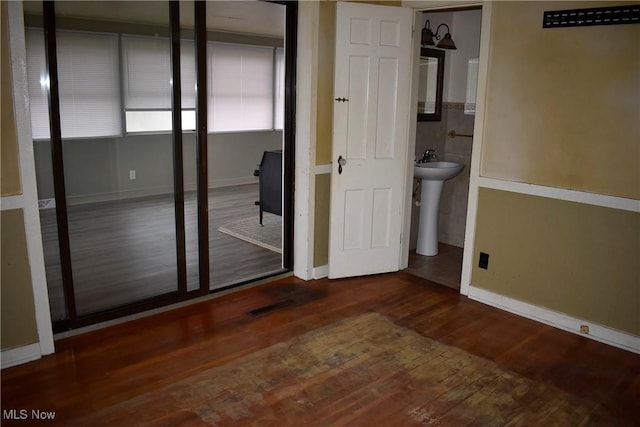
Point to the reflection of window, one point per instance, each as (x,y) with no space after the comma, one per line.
(37,82)
(88,80)
(157,120)
(278,120)
(240,87)
(428,85)
(472,86)
(146,64)
(245,85)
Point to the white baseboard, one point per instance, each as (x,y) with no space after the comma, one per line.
(20,355)
(562,321)
(320,272)
(118,195)
(143,192)
(216,183)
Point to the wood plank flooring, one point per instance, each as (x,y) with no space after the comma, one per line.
(98,370)
(125,251)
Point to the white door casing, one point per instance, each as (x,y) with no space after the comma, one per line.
(370,130)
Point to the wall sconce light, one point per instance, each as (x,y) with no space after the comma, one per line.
(427,37)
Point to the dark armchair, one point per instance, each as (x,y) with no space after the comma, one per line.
(270,173)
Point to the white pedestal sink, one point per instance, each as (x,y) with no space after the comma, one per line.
(433,175)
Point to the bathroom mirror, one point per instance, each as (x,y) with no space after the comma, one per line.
(430,86)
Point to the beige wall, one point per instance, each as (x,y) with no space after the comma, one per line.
(563,104)
(324,130)
(573,258)
(18,327)
(379,2)
(326,55)
(321,220)
(17,315)
(10,172)
(562,111)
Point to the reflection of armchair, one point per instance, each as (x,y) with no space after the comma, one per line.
(270,173)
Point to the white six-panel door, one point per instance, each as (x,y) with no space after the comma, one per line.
(371,106)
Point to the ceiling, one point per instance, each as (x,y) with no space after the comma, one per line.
(236,16)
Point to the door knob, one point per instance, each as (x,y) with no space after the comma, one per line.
(341,162)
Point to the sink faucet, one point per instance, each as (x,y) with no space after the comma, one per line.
(428,156)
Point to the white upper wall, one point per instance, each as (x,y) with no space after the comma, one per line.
(465,32)
(466,35)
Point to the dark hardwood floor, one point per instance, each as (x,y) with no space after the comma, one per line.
(100,370)
(124,251)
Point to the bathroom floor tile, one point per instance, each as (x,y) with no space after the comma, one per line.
(444,268)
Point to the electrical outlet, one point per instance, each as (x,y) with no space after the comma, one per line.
(584,329)
(132,175)
(484,261)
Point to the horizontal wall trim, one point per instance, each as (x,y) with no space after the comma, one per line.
(558,320)
(323,169)
(8,203)
(19,355)
(320,272)
(439,4)
(561,194)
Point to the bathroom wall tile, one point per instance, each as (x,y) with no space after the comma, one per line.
(453,204)
(457,120)
(430,135)
(446,212)
(459,150)
(459,147)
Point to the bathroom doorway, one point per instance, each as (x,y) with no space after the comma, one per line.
(452,138)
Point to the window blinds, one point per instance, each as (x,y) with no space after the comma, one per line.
(278,120)
(88,84)
(472,86)
(37,83)
(245,85)
(147,71)
(146,63)
(240,87)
